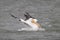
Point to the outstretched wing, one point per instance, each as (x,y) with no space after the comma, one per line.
(27,15)
(14,16)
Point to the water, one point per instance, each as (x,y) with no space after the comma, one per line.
(46,11)
(29,35)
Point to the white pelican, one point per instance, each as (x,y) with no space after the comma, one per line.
(32,22)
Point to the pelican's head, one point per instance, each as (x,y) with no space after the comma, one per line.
(34,20)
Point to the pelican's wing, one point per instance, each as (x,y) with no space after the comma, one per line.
(26,17)
(29,15)
(14,16)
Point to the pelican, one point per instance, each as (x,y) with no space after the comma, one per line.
(32,22)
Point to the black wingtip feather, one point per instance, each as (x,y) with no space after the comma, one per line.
(13,16)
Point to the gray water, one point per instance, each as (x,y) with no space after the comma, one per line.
(46,11)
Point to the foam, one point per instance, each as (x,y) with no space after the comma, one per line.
(30,29)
